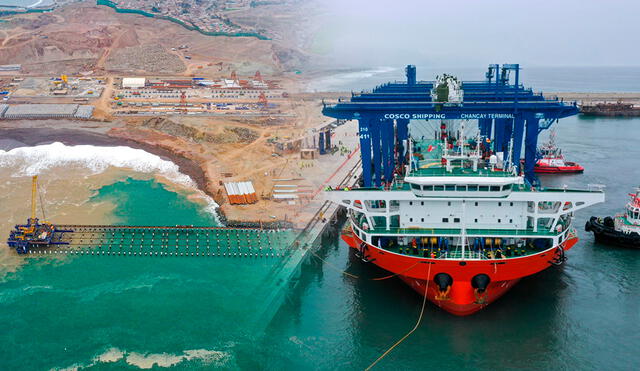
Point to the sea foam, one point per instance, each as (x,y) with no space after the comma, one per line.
(28,161)
(33,160)
(205,357)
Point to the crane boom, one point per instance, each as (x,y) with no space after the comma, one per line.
(34,189)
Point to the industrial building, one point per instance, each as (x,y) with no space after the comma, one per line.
(133,82)
(45,111)
(10,67)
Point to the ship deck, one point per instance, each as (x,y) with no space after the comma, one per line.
(456,252)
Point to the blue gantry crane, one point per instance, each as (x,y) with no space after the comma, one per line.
(507,113)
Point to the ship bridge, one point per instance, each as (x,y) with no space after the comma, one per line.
(508,114)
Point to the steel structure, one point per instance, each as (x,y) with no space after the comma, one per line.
(507,113)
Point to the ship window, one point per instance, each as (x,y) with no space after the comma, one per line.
(428,188)
(415,186)
(449,203)
(495,188)
(472,187)
(484,188)
(510,220)
(450,187)
(510,203)
(476,204)
(438,188)
(476,220)
(461,188)
(499,203)
(456,220)
(506,187)
(422,220)
(445,220)
(410,203)
(499,220)
(421,203)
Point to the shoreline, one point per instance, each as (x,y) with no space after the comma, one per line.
(20,137)
(38,136)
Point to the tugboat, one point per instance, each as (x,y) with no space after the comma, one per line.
(552,160)
(621,230)
(34,234)
(456,227)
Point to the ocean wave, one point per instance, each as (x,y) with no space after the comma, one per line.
(206,357)
(29,161)
(340,81)
(13,294)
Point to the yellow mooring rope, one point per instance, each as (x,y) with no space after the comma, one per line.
(356,276)
(424,303)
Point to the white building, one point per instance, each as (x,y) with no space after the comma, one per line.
(133,82)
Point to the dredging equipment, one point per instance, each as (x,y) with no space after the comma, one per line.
(35,234)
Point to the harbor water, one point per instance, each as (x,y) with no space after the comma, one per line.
(100,312)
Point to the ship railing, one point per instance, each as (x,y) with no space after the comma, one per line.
(457,231)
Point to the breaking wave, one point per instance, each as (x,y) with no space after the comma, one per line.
(206,357)
(29,161)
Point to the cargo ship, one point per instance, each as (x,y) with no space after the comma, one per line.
(621,230)
(552,160)
(617,109)
(460,225)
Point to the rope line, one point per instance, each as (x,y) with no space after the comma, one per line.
(424,303)
(333,266)
(396,274)
(356,276)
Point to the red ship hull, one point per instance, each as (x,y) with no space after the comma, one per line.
(462,299)
(569,169)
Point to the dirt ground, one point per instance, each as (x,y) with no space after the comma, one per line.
(85,37)
(240,150)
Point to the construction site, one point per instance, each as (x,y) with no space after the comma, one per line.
(252,96)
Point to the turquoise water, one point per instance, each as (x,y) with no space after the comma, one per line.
(145,202)
(26,3)
(185,311)
(199,313)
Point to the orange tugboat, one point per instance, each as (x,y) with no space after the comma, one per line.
(552,160)
(457,226)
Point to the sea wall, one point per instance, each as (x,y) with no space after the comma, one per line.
(190,27)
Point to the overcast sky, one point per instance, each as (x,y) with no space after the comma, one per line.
(478,32)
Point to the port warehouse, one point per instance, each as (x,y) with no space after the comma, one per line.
(45,111)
